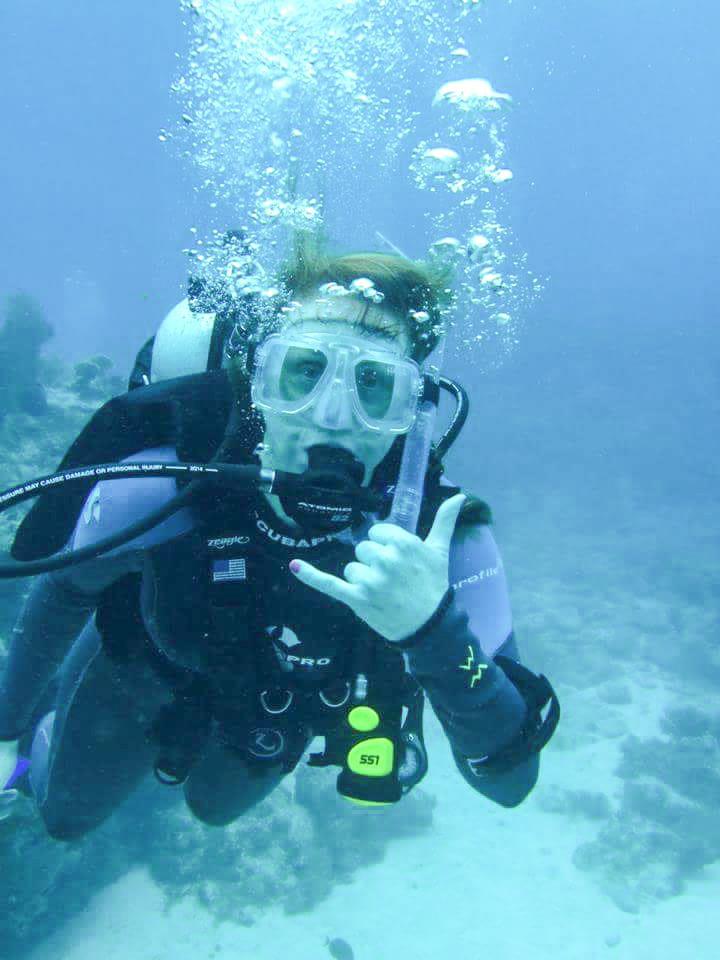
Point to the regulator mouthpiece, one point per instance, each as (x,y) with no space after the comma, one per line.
(333,491)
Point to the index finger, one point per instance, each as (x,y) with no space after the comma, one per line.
(326,583)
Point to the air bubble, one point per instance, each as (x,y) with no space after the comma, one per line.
(334,290)
(439,161)
(361,285)
(446,249)
(491,278)
(477,247)
(471,94)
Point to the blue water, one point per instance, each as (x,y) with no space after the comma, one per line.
(595,442)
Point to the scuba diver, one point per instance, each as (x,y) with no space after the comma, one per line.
(214,647)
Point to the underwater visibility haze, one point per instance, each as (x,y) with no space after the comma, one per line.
(553,170)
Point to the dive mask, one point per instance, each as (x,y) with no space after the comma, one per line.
(335,376)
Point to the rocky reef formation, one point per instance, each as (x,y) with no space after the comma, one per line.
(663,828)
(666,828)
(290,852)
(43,406)
(23,332)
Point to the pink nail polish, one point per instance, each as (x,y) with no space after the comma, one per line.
(295,566)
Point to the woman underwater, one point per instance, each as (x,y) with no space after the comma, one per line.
(215,646)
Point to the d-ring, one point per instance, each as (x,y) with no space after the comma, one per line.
(274,711)
(340,703)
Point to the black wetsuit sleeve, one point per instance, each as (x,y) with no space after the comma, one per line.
(53,614)
(451,656)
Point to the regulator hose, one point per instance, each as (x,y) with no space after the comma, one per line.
(242,477)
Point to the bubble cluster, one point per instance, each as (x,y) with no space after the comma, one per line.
(446,250)
(336,290)
(280,101)
(276,94)
(361,287)
(227,277)
(494,288)
(366,288)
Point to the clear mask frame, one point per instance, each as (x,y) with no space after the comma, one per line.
(327,376)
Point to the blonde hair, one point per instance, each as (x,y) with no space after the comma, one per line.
(415,291)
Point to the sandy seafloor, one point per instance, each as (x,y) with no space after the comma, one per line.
(485,882)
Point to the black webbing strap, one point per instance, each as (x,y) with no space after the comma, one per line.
(537,730)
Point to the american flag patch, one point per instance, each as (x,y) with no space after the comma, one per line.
(226,570)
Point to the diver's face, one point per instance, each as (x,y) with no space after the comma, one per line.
(288,437)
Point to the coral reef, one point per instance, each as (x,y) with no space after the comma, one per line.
(33,441)
(666,828)
(45,882)
(589,804)
(291,851)
(91,379)
(24,331)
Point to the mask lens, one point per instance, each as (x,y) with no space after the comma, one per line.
(301,370)
(375,385)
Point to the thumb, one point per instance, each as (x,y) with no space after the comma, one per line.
(444,523)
